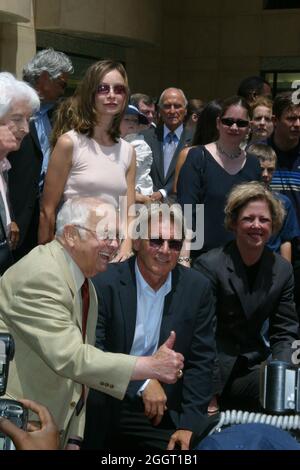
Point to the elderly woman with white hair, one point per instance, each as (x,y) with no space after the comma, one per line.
(18,101)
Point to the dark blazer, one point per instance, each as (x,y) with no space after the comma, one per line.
(23,180)
(241,313)
(155,139)
(188,310)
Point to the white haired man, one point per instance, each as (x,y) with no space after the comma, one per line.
(44,304)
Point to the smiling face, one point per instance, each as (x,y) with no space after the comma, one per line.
(154,261)
(110,100)
(233,135)
(253,227)
(93,246)
(17,120)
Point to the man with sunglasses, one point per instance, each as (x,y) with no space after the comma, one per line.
(140,301)
(47,72)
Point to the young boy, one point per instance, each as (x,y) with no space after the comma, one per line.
(281,242)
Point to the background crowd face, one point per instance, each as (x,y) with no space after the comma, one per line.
(288,125)
(262,123)
(173,109)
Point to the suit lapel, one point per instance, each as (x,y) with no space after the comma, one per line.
(250,301)
(34,136)
(2,216)
(158,155)
(128,300)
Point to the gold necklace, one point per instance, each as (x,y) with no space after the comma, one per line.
(231,156)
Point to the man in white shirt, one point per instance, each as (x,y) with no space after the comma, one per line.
(140,302)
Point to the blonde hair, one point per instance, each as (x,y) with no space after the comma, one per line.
(244,193)
(263,152)
(65,118)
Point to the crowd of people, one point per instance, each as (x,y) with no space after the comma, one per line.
(129,335)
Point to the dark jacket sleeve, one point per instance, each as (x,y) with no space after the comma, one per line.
(197,380)
(284,323)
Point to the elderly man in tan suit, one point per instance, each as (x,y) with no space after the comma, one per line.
(41,306)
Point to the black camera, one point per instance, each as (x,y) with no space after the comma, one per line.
(10,409)
(279,387)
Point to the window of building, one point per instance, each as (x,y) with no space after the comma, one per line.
(280,4)
(282,81)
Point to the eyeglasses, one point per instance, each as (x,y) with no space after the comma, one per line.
(106,236)
(174,245)
(230,121)
(105,89)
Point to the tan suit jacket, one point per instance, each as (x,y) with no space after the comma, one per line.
(39,306)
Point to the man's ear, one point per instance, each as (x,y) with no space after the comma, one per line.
(70,234)
(136,244)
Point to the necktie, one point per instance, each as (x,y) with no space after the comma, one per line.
(85,295)
(169,149)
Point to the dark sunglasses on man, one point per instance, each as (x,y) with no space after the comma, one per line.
(157,243)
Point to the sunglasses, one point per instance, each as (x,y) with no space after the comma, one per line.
(230,121)
(105,89)
(174,245)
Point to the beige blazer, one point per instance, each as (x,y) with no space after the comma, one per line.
(38,306)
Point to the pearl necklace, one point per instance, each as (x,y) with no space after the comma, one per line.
(231,156)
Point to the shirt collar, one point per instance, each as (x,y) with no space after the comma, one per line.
(76,272)
(142,284)
(177,131)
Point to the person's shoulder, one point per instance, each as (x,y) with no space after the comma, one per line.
(191,276)
(68,140)
(283,198)
(113,275)
(214,255)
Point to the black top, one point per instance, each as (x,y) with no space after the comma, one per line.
(203,180)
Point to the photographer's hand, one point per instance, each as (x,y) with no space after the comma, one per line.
(44,438)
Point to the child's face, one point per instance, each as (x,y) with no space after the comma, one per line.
(268,168)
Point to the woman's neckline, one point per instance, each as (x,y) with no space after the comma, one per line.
(228,172)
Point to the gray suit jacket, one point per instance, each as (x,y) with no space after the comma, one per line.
(154,138)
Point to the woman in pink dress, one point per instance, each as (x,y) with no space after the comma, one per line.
(91,160)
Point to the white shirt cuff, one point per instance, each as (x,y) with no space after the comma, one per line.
(163,192)
(142,388)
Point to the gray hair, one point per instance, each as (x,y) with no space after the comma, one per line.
(77,211)
(53,62)
(13,90)
(156,212)
(161,98)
